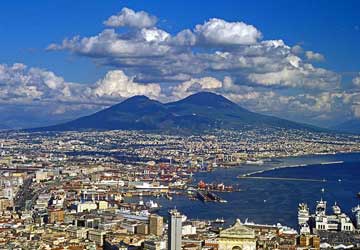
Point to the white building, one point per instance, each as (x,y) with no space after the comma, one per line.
(86,206)
(321,221)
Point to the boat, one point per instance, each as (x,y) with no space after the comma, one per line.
(220,221)
(138,215)
(358,194)
(152,206)
(146,185)
(169,197)
(255,162)
(303,213)
(336,209)
(202,196)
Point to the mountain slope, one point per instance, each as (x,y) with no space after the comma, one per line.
(351,126)
(195,113)
(137,113)
(4,127)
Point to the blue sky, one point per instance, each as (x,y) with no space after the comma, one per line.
(329,28)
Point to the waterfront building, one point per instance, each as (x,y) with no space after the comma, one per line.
(309,241)
(321,221)
(237,237)
(356,211)
(175,230)
(303,213)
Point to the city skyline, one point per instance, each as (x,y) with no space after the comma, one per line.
(179,125)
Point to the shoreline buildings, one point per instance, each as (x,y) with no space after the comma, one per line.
(321,221)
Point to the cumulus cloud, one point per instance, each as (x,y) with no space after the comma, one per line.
(304,76)
(130,18)
(20,84)
(313,56)
(155,54)
(195,85)
(356,80)
(117,84)
(263,75)
(297,49)
(219,32)
(110,44)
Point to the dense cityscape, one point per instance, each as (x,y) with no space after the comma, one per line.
(179,125)
(73,190)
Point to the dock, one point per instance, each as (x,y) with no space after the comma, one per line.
(280,178)
(209,196)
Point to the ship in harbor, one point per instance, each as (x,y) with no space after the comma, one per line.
(134,215)
(303,213)
(220,187)
(206,196)
(146,185)
(321,221)
(219,220)
(356,211)
(254,162)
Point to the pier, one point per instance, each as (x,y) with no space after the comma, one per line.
(209,196)
(279,178)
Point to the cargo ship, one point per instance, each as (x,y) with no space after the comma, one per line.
(137,215)
(215,197)
(202,196)
(209,196)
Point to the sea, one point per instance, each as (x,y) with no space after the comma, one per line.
(334,178)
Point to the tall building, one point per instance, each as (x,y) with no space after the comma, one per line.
(56,215)
(174,230)
(156,225)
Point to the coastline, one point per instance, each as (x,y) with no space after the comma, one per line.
(271,201)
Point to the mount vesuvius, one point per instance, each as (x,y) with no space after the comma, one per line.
(196,113)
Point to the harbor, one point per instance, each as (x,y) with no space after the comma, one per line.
(280,197)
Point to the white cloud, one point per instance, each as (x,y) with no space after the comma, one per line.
(110,44)
(155,54)
(356,110)
(264,75)
(356,80)
(22,85)
(219,32)
(117,84)
(297,49)
(313,56)
(130,18)
(154,35)
(195,85)
(305,77)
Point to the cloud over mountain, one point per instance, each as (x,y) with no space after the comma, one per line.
(230,58)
